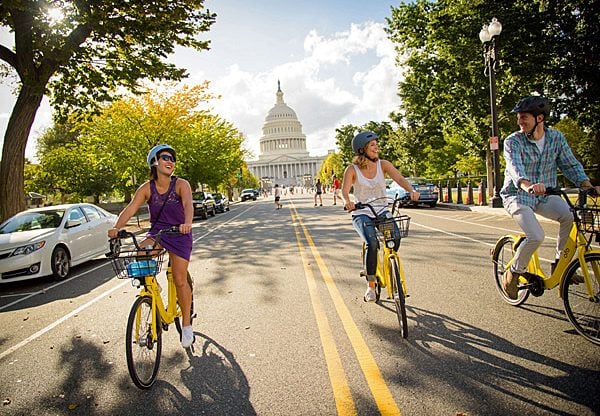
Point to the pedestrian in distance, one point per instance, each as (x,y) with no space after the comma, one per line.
(277,192)
(319,192)
(169,200)
(367,174)
(336,188)
(532,157)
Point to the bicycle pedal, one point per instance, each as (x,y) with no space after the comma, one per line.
(194,315)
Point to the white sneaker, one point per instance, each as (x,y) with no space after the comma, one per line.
(370,295)
(187,336)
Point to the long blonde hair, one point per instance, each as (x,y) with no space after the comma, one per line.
(361,161)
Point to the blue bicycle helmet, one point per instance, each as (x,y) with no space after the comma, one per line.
(361,140)
(153,153)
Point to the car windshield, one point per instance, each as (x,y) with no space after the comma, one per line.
(248,191)
(198,195)
(32,221)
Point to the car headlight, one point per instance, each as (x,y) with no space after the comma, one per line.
(28,249)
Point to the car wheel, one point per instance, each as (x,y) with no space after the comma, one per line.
(432,204)
(60,263)
(204,215)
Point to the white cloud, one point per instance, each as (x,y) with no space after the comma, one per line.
(315,86)
(341,78)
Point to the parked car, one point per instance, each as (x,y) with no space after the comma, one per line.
(50,240)
(427,190)
(248,194)
(221,202)
(204,204)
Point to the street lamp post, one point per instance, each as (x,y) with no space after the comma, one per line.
(488,36)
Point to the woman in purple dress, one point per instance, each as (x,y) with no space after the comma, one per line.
(169,200)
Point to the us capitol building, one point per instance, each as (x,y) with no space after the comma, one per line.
(283,158)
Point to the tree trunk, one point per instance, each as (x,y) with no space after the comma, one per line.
(12,192)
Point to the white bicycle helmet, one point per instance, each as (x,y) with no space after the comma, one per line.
(153,153)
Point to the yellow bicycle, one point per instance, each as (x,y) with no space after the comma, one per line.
(148,316)
(577,273)
(390,274)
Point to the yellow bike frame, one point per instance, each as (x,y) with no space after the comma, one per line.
(384,254)
(575,244)
(168,314)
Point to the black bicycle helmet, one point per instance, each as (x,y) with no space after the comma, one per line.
(153,153)
(535,105)
(361,140)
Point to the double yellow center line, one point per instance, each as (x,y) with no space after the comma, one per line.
(337,376)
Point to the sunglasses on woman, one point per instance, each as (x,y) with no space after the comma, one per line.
(167,158)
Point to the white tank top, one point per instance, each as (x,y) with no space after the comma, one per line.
(367,190)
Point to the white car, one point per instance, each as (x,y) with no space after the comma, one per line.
(48,241)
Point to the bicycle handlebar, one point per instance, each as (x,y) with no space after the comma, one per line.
(397,201)
(562,192)
(128,234)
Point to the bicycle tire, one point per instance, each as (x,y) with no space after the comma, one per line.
(399,298)
(143,358)
(502,254)
(583,311)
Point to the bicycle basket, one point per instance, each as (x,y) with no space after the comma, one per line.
(402,221)
(589,217)
(135,263)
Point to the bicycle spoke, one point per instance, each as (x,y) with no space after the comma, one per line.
(582,305)
(143,354)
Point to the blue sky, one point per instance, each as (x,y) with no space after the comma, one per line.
(334,61)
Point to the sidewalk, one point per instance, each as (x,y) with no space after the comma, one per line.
(486,209)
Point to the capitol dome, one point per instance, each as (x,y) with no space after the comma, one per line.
(282,132)
(283,156)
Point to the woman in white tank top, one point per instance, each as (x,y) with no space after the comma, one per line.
(367,175)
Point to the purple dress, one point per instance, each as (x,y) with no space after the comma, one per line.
(172,214)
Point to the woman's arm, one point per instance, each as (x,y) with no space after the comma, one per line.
(185,193)
(347,182)
(393,173)
(141,196)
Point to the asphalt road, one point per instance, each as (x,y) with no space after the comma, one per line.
(283,330)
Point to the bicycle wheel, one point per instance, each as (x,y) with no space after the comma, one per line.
(583,309)
(143,354)
(399,299)
(502,254)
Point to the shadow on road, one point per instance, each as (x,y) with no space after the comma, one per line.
(467,358)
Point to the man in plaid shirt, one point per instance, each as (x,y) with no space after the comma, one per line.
(532,157)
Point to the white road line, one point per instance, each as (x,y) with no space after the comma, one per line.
(82,307)
(464,237)
(60,321)
(39,292)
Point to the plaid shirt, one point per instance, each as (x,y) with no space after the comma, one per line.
(525,161)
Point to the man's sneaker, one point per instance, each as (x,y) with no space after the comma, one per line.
(509,284)
(370,295)
(187,336)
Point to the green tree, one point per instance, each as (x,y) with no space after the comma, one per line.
(81,59)
(333,164)
(75,172)
(208,148)
(445,89)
